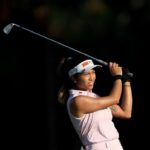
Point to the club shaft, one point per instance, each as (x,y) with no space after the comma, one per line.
(104,63)
(63,45)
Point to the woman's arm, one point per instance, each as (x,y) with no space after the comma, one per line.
(124,109)
(85,104)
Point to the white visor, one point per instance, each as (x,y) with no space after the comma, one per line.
(84,66)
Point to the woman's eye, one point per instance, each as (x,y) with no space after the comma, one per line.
(86,74)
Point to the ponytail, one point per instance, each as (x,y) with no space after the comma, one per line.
(62,70)
(62,94)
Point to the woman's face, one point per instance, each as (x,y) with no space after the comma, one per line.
(86,80)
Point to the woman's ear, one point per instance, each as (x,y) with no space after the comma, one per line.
(73,79)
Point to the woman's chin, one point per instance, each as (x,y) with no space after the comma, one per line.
(90,87)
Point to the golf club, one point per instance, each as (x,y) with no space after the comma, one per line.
(7,29)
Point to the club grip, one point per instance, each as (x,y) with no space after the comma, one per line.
(104,63)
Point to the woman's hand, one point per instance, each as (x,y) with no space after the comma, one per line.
(115,69)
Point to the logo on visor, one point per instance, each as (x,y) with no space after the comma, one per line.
(84,64)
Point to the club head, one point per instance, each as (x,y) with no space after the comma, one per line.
(9,27)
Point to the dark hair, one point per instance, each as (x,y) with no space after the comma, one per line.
(67,64)
(63,69)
